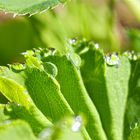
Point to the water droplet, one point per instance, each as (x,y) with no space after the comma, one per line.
(133,125)
(76,60)
(135,57)
(45,134)
(84,50)
(17,67)
(18,104)
(23,53)
(53,52)
(131,55)
(77,124)
(50,68)
(48,52)
(112,59)
(28,53)
(14,15)
(96,46)
(8,107)
(72,41)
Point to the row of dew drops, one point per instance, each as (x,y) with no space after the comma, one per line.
(112,59)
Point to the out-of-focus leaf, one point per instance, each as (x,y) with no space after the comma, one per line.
(134,6)
(108,88)
(15,111)
(23,7)
(83,19)
(16,36)
(16,130)
(134,39)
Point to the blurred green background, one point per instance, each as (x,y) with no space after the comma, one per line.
(114,24)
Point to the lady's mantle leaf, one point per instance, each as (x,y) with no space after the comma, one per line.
(23,7)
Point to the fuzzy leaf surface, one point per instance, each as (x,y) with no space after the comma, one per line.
(75,93)
(108,89)
(132,116)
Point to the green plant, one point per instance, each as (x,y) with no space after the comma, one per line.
(50,85)
(79,94)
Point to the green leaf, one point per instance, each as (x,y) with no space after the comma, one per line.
(31,7)
(75,93)
(117,89)
(44,89)
(134,7)
(3,100)
(14,111)
(108,88)
(63,130)
(37,86)
(16,130)
(14,92)
(45,92)
(12,87)
(132,116)
(67,134)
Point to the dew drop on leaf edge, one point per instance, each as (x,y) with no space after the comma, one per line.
(76,126)
(112,60)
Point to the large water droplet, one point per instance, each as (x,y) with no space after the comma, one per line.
(112,59)
(77,124)
(76,60)
(50,68)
